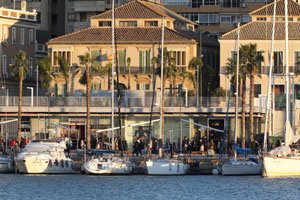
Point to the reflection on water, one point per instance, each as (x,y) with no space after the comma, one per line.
(25,187)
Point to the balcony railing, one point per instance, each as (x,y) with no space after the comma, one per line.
(265,70)
(133,102)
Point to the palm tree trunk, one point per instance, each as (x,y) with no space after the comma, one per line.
(88,83)
(244,111)
(251,120)
(20,110)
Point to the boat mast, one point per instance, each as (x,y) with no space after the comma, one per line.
(270,78)
(161,84)
(112,73)
(287,80)
(237,89)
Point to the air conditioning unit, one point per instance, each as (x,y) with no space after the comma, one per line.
(242,5)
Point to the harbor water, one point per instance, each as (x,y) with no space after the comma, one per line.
(142,187)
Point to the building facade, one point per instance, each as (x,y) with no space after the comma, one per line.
(259,31)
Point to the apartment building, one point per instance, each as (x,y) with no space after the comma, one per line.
(215,17)
(18,28)
(259,32)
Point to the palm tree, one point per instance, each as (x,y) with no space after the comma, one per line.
(45,72)
(197,64)
(86,61)
(253,59)
(65,69)
(20,68)
(128,61)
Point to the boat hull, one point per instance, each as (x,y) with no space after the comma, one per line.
(230,169)
(43,166)
(281,166)
(166,167)
(96,166)
(6,165)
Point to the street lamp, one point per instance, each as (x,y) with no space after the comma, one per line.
(37,85)
(186,96)
(31,88)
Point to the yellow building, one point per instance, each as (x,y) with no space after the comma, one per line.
(259,32)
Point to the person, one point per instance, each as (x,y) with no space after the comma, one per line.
(12,144)
(136,146)
(141,146)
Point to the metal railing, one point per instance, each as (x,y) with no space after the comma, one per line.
(126,102)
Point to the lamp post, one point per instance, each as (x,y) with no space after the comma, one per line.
(186,97)
(31,88)
(37,85)
(197,93)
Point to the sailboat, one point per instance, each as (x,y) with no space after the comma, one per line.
(281,161)
(164,166)
(249,166)
(106,162)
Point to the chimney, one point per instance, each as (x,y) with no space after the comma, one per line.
(23,5)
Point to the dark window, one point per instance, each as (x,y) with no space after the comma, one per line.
(105,23)
(257,90)
(83,17)
(38,17)
(54,18)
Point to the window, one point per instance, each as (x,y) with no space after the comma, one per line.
(151,23)
(95,86)
(144,59)
(261,19)
(5,34)
(65,54)
(22,35)
(71,17)
(96,58)
(297,62)
(31,37)
(4,65)
(105,23)
(257,90)
(13,35)
(278,62)
(143,86)
(12,60)
(121,58)
(38,17)
(54,19)
(30,72)
(128,23)
(83,17)
(60,90)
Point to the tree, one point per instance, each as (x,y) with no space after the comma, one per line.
(20,69)
(45,72)
(86,61)
(252,61)
(197,64)
(65,69)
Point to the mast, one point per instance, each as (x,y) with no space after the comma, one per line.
(237,89)
(112,72)
(161,84)
(270,78)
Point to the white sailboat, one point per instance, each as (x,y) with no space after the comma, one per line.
(243,166)
(109,165)
(281,161)
(164,166)
(44,157)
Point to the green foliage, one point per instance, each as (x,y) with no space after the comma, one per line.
(45,72)
(220,92)
(20,67)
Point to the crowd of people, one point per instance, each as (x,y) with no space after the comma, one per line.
(12,146)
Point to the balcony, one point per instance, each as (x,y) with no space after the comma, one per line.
(277,70)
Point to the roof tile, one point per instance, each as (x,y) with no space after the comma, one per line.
(293,9)
(123,35)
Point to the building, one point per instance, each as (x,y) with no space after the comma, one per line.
(215,17)
(138,38)
(18,32)
(259,31)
